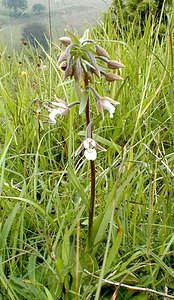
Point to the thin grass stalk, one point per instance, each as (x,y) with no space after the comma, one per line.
(77,260)
(171,63)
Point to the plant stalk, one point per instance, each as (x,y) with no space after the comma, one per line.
(92,167)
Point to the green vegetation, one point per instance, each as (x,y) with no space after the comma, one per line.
(38,8)
(16,5)
(44,188)
(137,11)
(36,35)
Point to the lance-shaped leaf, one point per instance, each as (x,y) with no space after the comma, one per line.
(85,36)
(83,101)
(82,97)
(73,37)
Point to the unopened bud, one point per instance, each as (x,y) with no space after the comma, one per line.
(63,56)
(78,70)
(65,40)
(94,69)
(101,51)
(113,64)
(68,71)
(112,77)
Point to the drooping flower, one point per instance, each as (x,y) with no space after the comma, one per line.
(90,149)
(108,104)
(59,108)
(90,146)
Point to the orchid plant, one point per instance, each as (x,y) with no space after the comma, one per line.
(83,60)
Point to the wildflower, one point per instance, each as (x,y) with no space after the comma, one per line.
(108,104)
(90,151)
(61,109)
(90,146)
(23,73)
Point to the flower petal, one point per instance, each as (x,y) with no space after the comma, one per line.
(53,114)
(89,143)
(59,104)
(91,154)
(110,107)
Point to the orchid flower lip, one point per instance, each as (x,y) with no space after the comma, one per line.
(90,154)
(90,146)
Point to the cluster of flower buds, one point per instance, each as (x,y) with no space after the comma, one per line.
(83,56)
(83,59)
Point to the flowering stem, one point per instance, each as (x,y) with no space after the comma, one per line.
(92,167)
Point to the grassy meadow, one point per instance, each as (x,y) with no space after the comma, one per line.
(64,14)
(44,187)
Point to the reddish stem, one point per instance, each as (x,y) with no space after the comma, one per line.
(92,167)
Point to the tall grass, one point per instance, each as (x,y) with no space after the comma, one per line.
(44,189)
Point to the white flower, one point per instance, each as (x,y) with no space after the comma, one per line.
(108,104)
(90,154)
(61,109)
(90,149)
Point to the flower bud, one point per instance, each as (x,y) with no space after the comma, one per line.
(94,69)
(101,51)
(113,64)
(112,77)
(63,56)
(69,69)
(65,40)
(78,72)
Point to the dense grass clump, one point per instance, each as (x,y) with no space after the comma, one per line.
(44,187)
